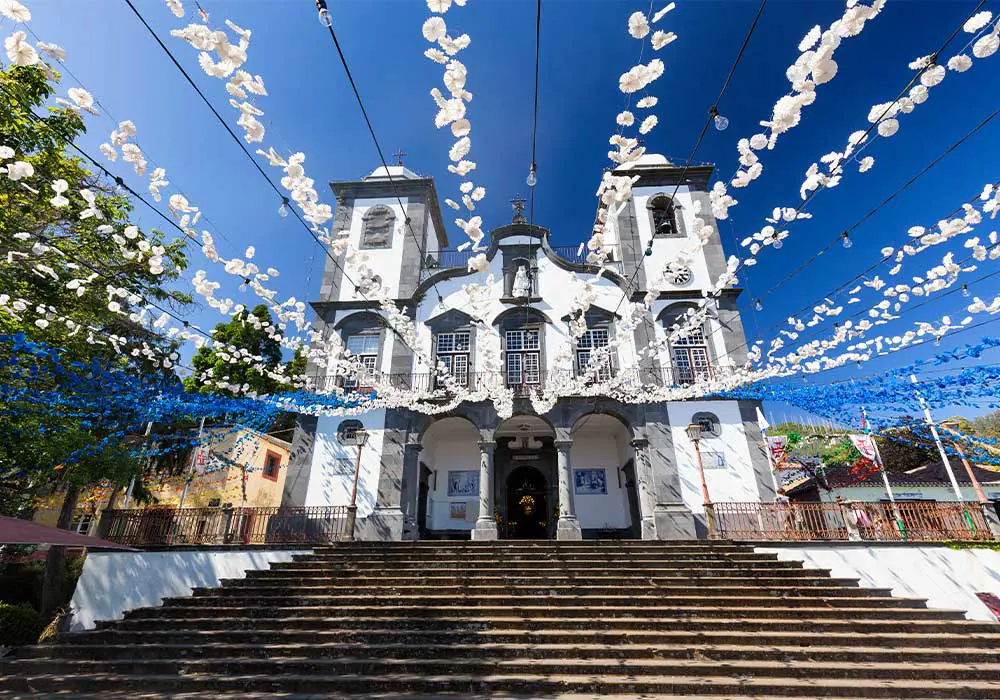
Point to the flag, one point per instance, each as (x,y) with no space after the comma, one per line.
(761,421)
(865,446)
(777,445)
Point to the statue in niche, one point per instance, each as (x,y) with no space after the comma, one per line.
(522,287)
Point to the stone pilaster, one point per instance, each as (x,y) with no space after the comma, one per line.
(644,484)
(568,526)
(486,525)
(411,489)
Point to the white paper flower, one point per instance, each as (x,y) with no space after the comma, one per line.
(6,152)
(42,323)
(479,263)
(986,46)
(451,203)
(921,63)
(659,15)
(888,127)
(960,63)
(932,76)
(12,9)
(661,39)
(460,128)
(478,194)
(919,94)
(463,168)
(53,50)
(647,124)
(977,21)
(176,7)
(434,29)
(758,141)
(625,118)
(460,149)
(19,170)
(439,6)
(866,164)
(436,55)
(647,102)
(19,51)
(810,39)
(455,76)
(82,98)
(638,25)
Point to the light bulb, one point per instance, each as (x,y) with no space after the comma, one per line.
(757,305)
(721,123)
(965,290)
(649,249)
(119,186)
(324,17)
(846,240)
(532,180)
(776,242)
(283,209)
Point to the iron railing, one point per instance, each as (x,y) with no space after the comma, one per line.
(880,522)
(524,385)
(213,526)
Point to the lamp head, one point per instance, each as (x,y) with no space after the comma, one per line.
(693,432)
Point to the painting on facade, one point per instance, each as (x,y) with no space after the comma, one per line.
(459,510)
(713,460)
(463,483)
(590,482)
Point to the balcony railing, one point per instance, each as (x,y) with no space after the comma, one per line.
(856,521)
(214,526)
(524,384)
(448,259)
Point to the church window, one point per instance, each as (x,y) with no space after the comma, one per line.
(690,358)
(377,227)
(364,349)
(592,340)
(81,523)
(272,463)
(452,349)
(709,422)
(523,364)
(662,216)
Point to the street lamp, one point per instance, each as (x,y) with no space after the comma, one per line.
(358,438)
(694,435)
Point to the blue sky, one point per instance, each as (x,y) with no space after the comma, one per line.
(584,49)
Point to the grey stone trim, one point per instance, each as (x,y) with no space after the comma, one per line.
(414,246)
(755,442)
(333,272)
(715,256)
(695,176)
(667,482)
(300,459)
(401,187)
(632,248)
(733,337)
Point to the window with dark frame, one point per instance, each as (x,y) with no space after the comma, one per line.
(523,363)
(364,348)
(453,349)
(662,215)
(82,523)
(272,463)
(690,358)
(592,340)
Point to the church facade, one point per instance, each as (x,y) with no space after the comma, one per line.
(589,467)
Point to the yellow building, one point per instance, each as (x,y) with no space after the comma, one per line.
(245,458)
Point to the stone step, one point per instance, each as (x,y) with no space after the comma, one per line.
(132,695)
(800,578)
(450,568)
(752,649)
(373,666)
(308,561)
(430,546)
(236,620)
(255,588)
(411,615)
(731,634)
(533,684)
(568,598)
(510,557)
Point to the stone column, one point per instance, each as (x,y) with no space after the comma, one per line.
(486,525)
(644,484)
(568,526)
(411,490)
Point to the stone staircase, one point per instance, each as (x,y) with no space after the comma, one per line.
(524,619)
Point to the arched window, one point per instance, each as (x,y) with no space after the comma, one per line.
(709,422)
(689,354)
(662,216)
(377,227)
(347,430)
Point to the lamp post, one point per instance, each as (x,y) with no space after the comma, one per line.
(694,435)
(357,438)
(947,424)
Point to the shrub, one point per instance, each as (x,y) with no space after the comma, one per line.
(19,625)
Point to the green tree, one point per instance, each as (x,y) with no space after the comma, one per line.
(241,334)
(35,447)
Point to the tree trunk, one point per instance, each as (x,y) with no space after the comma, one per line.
(55,562)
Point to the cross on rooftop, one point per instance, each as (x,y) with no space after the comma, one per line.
(399,156)
(518,206)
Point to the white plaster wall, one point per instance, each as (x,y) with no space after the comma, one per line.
(600,450)
(666,249)
(929,493)
(947,578)
(737,482)
(454,448)
(330,485)
(114,582)
(387,262)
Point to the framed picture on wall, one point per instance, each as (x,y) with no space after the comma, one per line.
(459,510)
(713,460)
(463,483)
(590,482)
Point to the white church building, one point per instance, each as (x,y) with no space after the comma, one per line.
(591,466)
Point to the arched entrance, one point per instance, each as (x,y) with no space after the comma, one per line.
(527,505)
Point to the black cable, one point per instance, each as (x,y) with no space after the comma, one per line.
(534,118)
(712,112)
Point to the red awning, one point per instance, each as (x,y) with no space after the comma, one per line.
(17,531)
